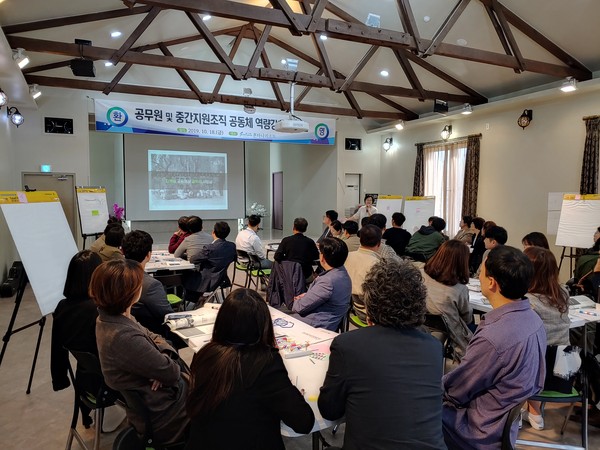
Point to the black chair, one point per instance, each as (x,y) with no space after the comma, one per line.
(132,439)
(243,264)
(95,399)
(257,271)
(438,328)
(513,415)
(173,284)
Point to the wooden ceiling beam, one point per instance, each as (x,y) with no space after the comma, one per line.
(355,106)
(115,81)
(75,20)
(41,68)
(186,78)
(260,45)
(296,27)
(325,63)
(214,45)
(411,115)
(499,32)
(133,37)
(267,63)
(361,64)
(409,24)
(305,91)
(185,94)
(410,73)
(508,33)
(316,14)
(445,27)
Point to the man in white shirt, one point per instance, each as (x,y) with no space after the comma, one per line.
(247,240)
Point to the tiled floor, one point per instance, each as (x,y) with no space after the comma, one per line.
(41,419)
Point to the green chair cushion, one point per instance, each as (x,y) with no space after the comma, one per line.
(173,299)
(263,272)
(555,394)
(355,320)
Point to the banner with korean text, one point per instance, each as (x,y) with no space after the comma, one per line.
(205,122)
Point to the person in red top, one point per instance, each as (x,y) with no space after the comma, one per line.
(181,233)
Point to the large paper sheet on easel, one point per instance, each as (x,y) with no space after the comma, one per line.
(44,241)
(388,205)
(579,219)
(93,209)
(417,210)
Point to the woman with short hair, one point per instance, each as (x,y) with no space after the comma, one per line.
(240,390)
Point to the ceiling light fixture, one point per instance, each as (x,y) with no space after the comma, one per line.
(373,20)
(525,119)
(323,37)
(384,73)
(35,92)
(467,109)
(108,64)
(3,98)
(20,58)
(206,17)
(290,64)
(569,85)
(446,132)
(115,34)
(387,144)
(15,116)
(400,125)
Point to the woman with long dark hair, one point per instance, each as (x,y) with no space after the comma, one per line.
(240,390)
(551,302)
(446,275)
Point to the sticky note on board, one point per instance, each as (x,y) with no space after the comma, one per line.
(95,212)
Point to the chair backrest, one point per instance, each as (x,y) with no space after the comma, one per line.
(89,364)
(243,257)
(135,403)
(512,416)
(169,280)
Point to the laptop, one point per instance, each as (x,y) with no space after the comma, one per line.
(581,301)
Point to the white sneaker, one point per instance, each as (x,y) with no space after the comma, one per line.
(535,420)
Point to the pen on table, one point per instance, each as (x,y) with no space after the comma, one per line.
(311,360)
(589,313)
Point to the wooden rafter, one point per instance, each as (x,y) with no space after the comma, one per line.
(316,15)
(260,45)
(41,68)
(325,63)
(408,23)
(410,73)
(305,91)
(499,32)
(232,52)
(144,24)
(185,77)
(446,26)
(352,100)
(296,27)
(359,66)
(509,35)
(110,86)
(214,45)
(186,94)
(267,63)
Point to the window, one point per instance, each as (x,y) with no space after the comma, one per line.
(444,179)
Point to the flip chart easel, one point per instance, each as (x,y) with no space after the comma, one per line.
(45,244)
(417,210)
(579,218)
(388,205)
(93,210)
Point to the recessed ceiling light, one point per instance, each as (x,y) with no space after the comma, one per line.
(426,19)
(115,34)
(323,37)
(206,17)
(108,64)
(461,42)
(284,62)
(384,73)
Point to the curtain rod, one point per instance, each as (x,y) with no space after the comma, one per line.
(449,141)
(590,117)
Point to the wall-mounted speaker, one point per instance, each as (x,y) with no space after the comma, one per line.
(440,106)
(57,125)
(83,68)
(353,144)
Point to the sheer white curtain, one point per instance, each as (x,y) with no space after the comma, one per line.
(444,179)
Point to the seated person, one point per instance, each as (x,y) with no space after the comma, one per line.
(367,210)
(360,262)
(299,248)
(113,235)
(195,242)
(327,300)
(505,361)
(477,247)
(179,235)
(134,358)
(551,302)
(248,241)
(74,326)
(335,229)
(494,237)
(586,262)
(465,234)
(425,242)
(99,243)
(397,237)
(535,239)
(329,217)
(152,306)
(350,236)
(212,263)
(446,276)
(239,379)
(385,378)
(379,220)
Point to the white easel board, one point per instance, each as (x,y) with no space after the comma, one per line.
(417,211)
(388,205)
(579,219)
(93,209)
(554,205)
(44,241)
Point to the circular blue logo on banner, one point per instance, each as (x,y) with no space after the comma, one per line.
(117,116)
(321,131)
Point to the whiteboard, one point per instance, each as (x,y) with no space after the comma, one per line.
(554,206)
(45,244)
(417,210)
(579,219)
(388,205)
(93,209)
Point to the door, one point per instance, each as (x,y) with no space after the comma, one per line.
(63,185)
(351,193)
(277,223)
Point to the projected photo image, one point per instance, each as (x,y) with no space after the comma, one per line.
(181,180)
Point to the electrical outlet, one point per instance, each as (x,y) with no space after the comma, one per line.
(487,126)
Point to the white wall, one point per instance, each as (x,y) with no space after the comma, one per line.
(8,182)
(106,165)
(518,168)
(258,178)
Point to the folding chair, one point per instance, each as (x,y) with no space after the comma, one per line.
(438,328)
(243,264)
(261,275)
(171,282)
(512,416)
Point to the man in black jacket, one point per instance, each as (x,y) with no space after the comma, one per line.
(299,248)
